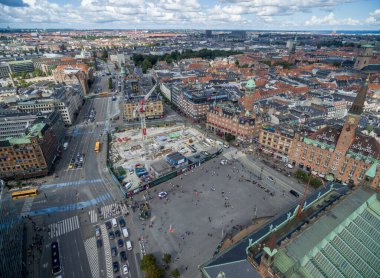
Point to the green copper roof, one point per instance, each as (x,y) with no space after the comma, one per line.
(122,71)
(367,45)
(250,84)
(371,172)
(19,140)
(36,129)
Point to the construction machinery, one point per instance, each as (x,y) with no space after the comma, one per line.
(140,110)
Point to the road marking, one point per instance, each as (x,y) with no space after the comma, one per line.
(71,183)
(63,227)
(71,207)
(111,210)
(27,206)
(107,250)
(93,216)
(92,256)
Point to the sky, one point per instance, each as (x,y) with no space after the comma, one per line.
(192,14)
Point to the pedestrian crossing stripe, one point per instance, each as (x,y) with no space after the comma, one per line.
(92,256)
(93,216)
(107,250)
(64,226)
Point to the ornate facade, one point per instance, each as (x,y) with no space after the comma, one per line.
(341,154)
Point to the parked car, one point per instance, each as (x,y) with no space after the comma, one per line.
(270,178)
(125,269)
(162,194)
(129,245)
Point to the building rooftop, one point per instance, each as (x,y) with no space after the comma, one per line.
(344,242)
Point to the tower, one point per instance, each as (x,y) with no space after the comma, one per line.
(292,50)
(347,134)
(364,57)
(348,131)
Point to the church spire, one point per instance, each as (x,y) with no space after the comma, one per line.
(358,105)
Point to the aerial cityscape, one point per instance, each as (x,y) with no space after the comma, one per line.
(189,138)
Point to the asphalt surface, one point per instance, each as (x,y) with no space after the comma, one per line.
(66,210)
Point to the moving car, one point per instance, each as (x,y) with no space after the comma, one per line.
(111,235)
(125,232)
(129,245)
(114,251)
(270,178)
(108,225)
(294,193)
(162,194)
(122,222)
(99,243)
(115,266)
(97,231)
(117,233)
(123,256)
(120,243)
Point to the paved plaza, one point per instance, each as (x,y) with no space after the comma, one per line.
(202,206)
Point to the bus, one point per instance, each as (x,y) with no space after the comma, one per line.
(97,146)
(24,193)
(55,261)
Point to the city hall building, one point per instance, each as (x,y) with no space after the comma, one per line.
(340,153)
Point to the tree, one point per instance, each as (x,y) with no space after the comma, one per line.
(146,64)
(147,261)
(110,83)
(175,273)
(315,182)
(237,63)
(155,272)
(336,64)
(167,258)
(369,128)
(301,175)
(229,137)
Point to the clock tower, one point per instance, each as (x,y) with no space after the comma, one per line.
(347,134)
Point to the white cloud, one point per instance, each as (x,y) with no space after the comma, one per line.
(330,20)
(178,13)
(374,18)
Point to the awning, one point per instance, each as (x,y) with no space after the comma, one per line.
(330,177)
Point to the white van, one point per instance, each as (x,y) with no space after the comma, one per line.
(125,232)
(114,222)
(129,245)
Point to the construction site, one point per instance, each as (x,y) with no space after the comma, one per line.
(167,149)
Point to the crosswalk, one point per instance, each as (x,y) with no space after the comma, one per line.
(112,210)
(64,226)
(93,216)
(107,250)
(92,256)
(27,206)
